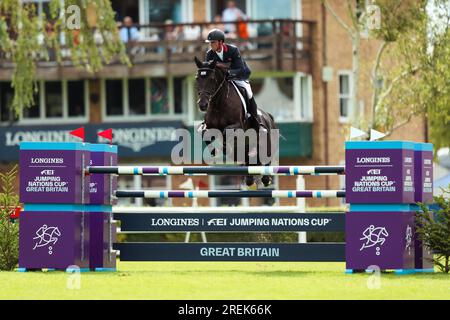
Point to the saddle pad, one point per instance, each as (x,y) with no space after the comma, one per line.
(247,115)
(242,100)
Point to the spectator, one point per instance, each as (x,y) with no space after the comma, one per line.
(128,32)
(170,31)
(173,34)
(216,24)
(232,14)
(242,30)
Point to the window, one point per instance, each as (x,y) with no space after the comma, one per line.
(163,10)
(136,96)
(149,97)
(178,85)
(76,98)
(114,97)
(345,102)
(53,99)
(159,96)
(6,98)
(265,9)
(217,7)
(124,8)
(62,100)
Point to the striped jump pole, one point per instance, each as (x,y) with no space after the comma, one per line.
(230,194)
(218,170)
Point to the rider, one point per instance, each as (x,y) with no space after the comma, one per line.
(239,72)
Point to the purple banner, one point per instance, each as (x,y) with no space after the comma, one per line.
(379,176)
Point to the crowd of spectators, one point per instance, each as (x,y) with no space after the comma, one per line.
(232,21)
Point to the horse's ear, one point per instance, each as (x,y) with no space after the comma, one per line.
(212,65)
(198,62)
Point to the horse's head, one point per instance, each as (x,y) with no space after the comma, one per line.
(209,77)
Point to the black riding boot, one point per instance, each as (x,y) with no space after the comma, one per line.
(254,119)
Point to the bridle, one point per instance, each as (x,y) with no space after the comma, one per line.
(212,95)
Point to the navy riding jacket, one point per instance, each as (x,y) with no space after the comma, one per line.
(239,69)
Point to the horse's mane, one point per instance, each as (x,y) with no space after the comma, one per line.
(222,66)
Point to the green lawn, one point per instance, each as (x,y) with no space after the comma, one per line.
(223,280)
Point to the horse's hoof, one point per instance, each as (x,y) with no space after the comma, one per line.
(249,180)
(266,180)
(252,187)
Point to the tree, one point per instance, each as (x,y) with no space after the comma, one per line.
(78,26)
(403,73)
(9,230)
(433,229)
(418,83)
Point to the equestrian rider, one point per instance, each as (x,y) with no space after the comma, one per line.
(239,71)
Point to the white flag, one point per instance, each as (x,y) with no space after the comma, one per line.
(375,135)
(187,185)
(356,133)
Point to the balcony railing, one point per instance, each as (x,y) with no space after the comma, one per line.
(281,44)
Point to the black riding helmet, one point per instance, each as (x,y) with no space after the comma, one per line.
(215,35)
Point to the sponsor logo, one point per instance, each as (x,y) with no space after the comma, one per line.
(138,138)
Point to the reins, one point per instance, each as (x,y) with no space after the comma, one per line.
(217,90)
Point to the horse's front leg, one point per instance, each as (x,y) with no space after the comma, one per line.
(230,148)
(234,149)
(209,142)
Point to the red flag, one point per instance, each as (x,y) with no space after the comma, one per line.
(78,133)
(107,134)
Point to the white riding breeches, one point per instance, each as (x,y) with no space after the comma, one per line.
(246,85)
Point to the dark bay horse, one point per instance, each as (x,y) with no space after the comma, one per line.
(217,97)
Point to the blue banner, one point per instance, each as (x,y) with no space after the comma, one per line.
(153,138)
